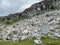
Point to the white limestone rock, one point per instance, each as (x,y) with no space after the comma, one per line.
(37,41)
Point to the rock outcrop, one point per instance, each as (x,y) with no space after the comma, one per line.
(35,9)
(47,24)
(43,25)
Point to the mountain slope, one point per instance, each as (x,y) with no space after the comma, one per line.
(41,24)
(34,27)
(35,9)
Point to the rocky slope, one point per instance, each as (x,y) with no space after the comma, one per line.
(35,9)
(47,24)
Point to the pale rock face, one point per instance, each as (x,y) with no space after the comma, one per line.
(23,37)
(38,9)
(15,38)
(37,42)
(57,35)
(58,19)
(55,28)
(34,27)
(25,31)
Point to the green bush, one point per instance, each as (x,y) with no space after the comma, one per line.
(8,22)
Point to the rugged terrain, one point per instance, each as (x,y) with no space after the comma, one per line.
(46,22)
(35,9)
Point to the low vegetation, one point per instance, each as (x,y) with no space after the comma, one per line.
(49,41)
(46,41)
(9,22)
(24,42)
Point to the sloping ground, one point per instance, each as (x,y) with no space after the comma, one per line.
(38,8)
(47,24)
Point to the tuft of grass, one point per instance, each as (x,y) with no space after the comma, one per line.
(10,22)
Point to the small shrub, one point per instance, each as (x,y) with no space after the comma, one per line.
(52,7)
(8,22)
(1,39)
(47,15)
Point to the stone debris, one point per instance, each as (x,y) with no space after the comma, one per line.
(35,27)
(37,42)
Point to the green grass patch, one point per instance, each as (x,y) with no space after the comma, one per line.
(49,41)
(24,42)
(10,22)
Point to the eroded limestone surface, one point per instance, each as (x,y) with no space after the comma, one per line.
(47,24)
